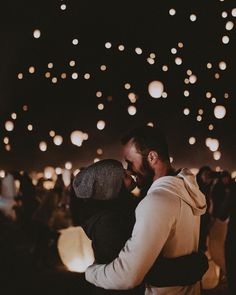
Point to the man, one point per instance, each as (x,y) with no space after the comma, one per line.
(167,219)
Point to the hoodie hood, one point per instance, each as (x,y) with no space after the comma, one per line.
(184,186)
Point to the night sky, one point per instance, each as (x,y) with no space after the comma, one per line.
(63,105)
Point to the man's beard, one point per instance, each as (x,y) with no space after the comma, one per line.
(146,178)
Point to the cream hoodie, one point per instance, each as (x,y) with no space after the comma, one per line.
(167,222)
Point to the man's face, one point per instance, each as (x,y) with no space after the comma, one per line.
(137,165)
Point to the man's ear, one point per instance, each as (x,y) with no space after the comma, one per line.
(152,157)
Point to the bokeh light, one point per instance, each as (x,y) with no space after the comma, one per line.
(155,89)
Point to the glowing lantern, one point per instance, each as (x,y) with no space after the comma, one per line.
(58,140)
(193,79)
(132,110)
(219,112)
(101,125)
(77,137)
(192,140)
(155,89)
(43,146)
(49,172)
(75,249)
(37,34)
(217,155)
(9,125)
(68,165)
(212,144)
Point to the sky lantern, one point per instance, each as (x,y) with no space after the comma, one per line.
(58,140)
(43,146)
(219,112)
(101,125)
(75,249)
(9,125)
(77,137)
(155,89)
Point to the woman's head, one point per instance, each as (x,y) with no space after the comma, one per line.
(102,181)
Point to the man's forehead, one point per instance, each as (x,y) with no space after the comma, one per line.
(130,149)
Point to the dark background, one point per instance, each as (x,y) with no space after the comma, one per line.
(72,104)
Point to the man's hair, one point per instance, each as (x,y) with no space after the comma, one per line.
(148,138)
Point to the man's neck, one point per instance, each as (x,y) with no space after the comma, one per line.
(162,169)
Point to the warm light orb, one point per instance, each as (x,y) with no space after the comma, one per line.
(74,76)
(75,41)
(20,76)
(99,94)
(210,127)
(186,93)
(173,50)
(121,47)
(225,39)
(150,60)
(30,127)
(219,111)
(58,140)
(72,63)
(63,7)
(150,124)
(178,61)
(43,146)
(209,65)
(77,137)
(103,68)
(127,86)
(36,33)
(14,116)
(192,140)
(172,11)
(164,68)
(100,106)
(68,165)
(86,76)
(186,111)
(217,155)
(193,17)
(132,110)
(108,45)
(229,26)
(49,172)
(212,144)
(138,50)
(132,97)
(54,80)
(25,108)
(155,89)
(101,125)
(31,70)
(193,79)
(222,65)
(9,125)
(99,151)
(233,12)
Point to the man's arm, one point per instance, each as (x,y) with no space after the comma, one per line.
(155,217)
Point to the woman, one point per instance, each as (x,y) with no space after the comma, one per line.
(105,209)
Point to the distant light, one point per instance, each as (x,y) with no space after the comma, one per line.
(217,76)
(150,60)
(25,108)
(6,140)
(212,144)
(132,110)
(20,76)
(30,127)
(210,127)
(229,26)
(172,11)
(77,137)
(199,118)
(54,80)
(155,89)
(219,112)
(186,81)
(150,124)
(96,160)
(186,93)
(43,146)
(58,140)
(121,47)
(72,63)
(178,61)
(217,155)
(193,79)
(192,140)
(52,133)
(31,70)
(132,97)
(186,111)
(164,94)
(152,55)
(68,165)
(63,75)
(138,50)
(76,172)
(103,68)
(100,106)
(180,45)
(209,65)
(224,14)
(8,147)
(63,7)
(47,74)
(86,76)
(9,125)
(218,169)
(2,173)
(74,76)
(165,68)
(189,72)
(171,159)
(193,17)
(14,116)
(108,45)
(99,151)
(50,65)
(173,50)
(85,136)
(226,95)
(233,12)
(101,125)
(99,94)
(233,175)
(58,170)
(127,86)
(75,41)
(49,172)
(222,65)
(213,100)
(36,34)
(225,39)
(200,111)
(208,94)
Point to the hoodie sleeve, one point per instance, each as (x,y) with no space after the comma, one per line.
(156,216)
